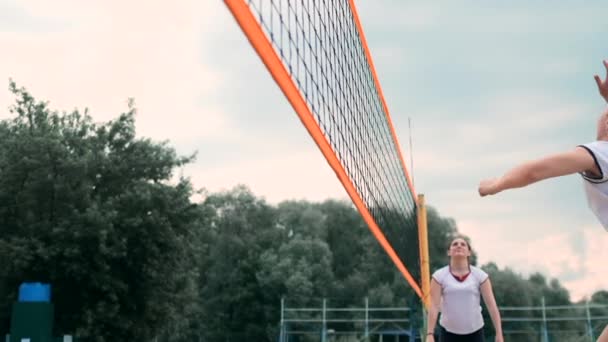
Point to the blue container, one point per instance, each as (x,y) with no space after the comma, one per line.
(34,292)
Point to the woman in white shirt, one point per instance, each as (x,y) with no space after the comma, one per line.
(455,292)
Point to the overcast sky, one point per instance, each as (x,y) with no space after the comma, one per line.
(486,84)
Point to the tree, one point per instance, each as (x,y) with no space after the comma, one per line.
(236,306)
(90,209)
(598,308)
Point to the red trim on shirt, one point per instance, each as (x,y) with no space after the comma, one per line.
(460,278)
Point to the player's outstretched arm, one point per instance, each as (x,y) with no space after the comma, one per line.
(561,164)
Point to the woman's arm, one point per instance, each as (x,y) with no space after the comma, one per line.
(434,309)
(561,164)
(488,298)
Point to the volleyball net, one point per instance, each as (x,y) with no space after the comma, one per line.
(317,53)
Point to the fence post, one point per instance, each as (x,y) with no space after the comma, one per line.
(366,317)
(282,327)
(324,329)
(589,325)
(545,333)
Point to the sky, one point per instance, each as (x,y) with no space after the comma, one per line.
(484,84)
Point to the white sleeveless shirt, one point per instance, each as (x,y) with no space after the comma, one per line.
(460,301)
(596,188)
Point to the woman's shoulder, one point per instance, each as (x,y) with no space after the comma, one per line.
(480,274)
(439,273)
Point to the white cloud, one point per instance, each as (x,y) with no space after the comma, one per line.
(304,175)
(463,147)
(594,264)
(554,253)
(149,52)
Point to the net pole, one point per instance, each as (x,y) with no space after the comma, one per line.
(254,33)
(425,277)
(425,273)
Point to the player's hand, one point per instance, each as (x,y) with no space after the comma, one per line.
(498,338)
(430,338)
(488,187)
(602,86)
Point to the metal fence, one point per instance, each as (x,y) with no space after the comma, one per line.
(545,323)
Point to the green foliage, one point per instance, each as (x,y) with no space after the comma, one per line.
(89,208)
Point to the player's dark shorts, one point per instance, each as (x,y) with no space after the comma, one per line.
(446,336)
